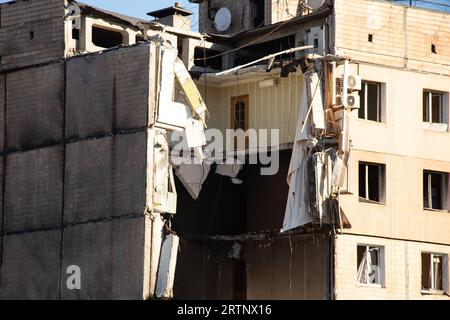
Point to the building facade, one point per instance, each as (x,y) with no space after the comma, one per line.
(356,93)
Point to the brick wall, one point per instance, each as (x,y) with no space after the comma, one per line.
(403,269)
(402,37)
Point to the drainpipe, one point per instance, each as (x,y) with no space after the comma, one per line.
(331,266)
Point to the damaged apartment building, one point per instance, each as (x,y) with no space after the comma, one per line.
(353,93)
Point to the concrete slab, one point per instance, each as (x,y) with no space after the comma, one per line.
(33,195)
(31,43)
(2,111)
(115,92)
(30,268)
(105,177)
(110,256)
(35,102)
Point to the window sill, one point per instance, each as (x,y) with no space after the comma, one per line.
(372,121)
(370,285)
(436,210)
(436,127)
(364,200)
(432,292)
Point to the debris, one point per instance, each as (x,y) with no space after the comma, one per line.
(192,176)
(235,251)
(167,265)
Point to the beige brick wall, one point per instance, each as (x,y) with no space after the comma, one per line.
(402,37)
(277,10)
(402,268)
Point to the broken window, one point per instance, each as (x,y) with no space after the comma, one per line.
(370,101)
(76,34)
(239,113)
(257,12)
(433,107)
(370,264)
(106,38)
(372,182)
(434,271)
(435,190)
(208,58)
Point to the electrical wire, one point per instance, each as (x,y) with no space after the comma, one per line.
(248,44)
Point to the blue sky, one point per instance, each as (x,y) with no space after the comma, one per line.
(138,8)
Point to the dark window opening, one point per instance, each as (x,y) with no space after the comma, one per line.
(372,182)
(370,39)
(106,38)
(257,12)
(370,97)
(316,43)
(434,271)
(139,38)
(31,35)
(266,48)
(208,58)
(433,111)
(239,120)
(433,48)
(239,113)
(76,34)
(435,190)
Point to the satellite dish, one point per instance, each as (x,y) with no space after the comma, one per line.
(315,4)
(222,20)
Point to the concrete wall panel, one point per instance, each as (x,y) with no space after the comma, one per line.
(19,12)
(32,43)
(108,92)
(33,195)
(111,258)
(35,101)
(2,111)
(105,177)
(30,268)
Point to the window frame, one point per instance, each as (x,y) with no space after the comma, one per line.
(364,103)
(429,110)
(428,192)
(381,265)
(381,183)
(445,271)
(233,102)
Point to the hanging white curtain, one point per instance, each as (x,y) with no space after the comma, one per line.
(297,213)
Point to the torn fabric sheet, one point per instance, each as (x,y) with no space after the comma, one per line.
(192,176)
(297,212)
(195,134)
(229,170)
(315,90)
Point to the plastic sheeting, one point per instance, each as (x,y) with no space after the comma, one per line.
(297,212)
